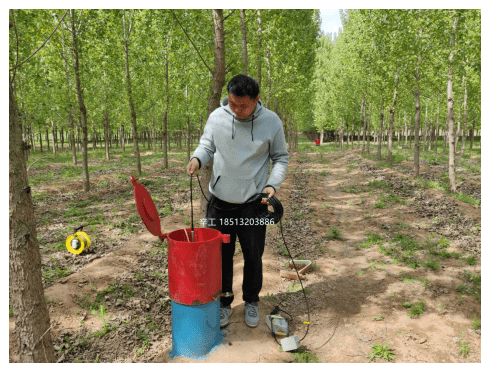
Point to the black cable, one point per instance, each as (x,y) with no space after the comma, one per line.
(192,217)
(303,290)
(261,211)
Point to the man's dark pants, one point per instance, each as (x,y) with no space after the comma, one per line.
(251,238)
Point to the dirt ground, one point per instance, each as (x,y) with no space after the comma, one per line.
(355,293)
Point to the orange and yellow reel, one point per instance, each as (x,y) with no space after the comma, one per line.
(78,242)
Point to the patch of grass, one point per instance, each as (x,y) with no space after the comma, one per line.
(101,313)
(407,242)
(465,198)
(271,297)
(435,185)
(471,260)
(402,226)
(52,273)
(282,249)
(445,254)
(166,210)
(432,264)
(378,318)
(372,238)
(476,323)
(381,351)
(379,205)
(464,350)
(350,189)
(303,356)
(407,278)
(334,234)
(115,289)
(443,242)
(416,309)
(406,304)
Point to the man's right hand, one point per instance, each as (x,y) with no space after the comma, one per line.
(192,167)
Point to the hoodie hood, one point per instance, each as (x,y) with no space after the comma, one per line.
(258,109)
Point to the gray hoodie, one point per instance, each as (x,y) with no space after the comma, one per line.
(242,150)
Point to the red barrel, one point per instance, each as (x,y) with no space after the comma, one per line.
(195,268)
(317,142)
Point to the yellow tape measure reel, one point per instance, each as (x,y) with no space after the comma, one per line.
(78,242)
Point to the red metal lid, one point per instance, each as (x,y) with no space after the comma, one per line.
(146,208)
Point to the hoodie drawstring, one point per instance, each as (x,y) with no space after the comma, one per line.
(233,127)
(252,117)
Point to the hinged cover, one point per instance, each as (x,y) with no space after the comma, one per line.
(146,208)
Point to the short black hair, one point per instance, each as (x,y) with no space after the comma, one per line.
(242,85)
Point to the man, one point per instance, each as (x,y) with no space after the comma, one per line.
(242,136)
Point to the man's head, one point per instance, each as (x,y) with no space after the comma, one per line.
(243,95)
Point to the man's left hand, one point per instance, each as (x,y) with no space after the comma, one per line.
(271,193)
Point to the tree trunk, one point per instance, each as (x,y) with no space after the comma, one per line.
(360,124)
(472,135)
(259,56)
(269,76)
(369,128)
(166,142)
(457,135)
(365,126)
(47,137)
(216,92)
(346,129)
(41,140)
(437,125)
(106,132)
(31,316)
(62,138)
(425,128)
(130,99)
(406,131)
(83,110)
(71,122)
(450,115)
(418,110)
(244,43)
(94,136)
(381,115)
(390,127)
(153,133)
(54,151)
(463,137)
(411,132)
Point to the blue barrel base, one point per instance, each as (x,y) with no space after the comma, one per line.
(195,330)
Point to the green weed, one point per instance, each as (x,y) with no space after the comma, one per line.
(302,356)
(406,304)
(334,234)
(476,323)
(416,309)
(471,260)
(381,351)
(464,350)
(372,238)
(101,313)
